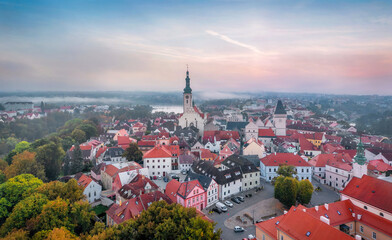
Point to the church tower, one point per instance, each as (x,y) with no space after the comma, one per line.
(188,102)
(280,117)
(360,164)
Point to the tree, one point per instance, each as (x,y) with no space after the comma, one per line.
(3,165)
(278,187)
(305,191)
(2,177)
(54,214)
(26,209)
(15,190)
(2,108)
(286,170)
(22,146)
(25,162)
(163,221)
(60,234)
(50,156)
(70,191)
(76,160)
(89,128)
(78,135)
(286,190)
(133,153)
(17,235)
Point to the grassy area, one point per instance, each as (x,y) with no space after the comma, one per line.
(100,209)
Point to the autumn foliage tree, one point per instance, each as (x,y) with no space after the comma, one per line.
(25,162)
(305,191)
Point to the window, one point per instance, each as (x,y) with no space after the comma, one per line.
(365,207)
(374,235)
(270,170)
(148,161)
(361,229)
(351,226)
(381,214)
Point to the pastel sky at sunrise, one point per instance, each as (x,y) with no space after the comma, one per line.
(234,46)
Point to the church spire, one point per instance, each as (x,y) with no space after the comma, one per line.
(187,88)
(360,156)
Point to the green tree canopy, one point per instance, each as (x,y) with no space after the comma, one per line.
(286,170)
(77,164)
(133,153)
(286,190)
(50,156)
(26,209)
(78,136)
(163,221)
(305,191)
(15,190)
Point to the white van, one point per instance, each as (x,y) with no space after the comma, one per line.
(221,206)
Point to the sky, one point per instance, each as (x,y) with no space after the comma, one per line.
(338,47)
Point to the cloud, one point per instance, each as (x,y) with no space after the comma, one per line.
(232,41)
(382,20)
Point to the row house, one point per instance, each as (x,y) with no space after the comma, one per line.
(266,136)
(210,186)
(188,194)
(250,174)
(185,161)
(113,155)
(231,147)
(229,180)
(126,174)
(270,164)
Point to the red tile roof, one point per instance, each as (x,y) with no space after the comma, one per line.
(135,206)
(124,140)
(297,224)
(186,188)
(84,181)
(314,136)
(171,189)
(100,151)
(379,165)
(321,160)
(337,212)
(111,170)
(266,133)
(158,151)
(269,226)
(372,191)
(220,135)
(284,158)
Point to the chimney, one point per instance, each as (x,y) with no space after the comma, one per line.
(324,219)
(353,215)
(316,208)
(304,210)
(359,216)
(358,237)
(284,211)
(326,206)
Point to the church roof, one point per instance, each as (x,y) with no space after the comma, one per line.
(279,108)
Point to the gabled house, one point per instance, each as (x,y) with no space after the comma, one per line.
(250,174)
(91,189)
(210,186)
(132,208)
(139,185)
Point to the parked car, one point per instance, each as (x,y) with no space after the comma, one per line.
(217,210)
(183,172)
(234,199)
(159,177)
(259,221)
(165,179)
(238,229)
(228,203)
(221,206)
(241,198)
(155,177)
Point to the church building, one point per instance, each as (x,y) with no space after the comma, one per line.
(192,116)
